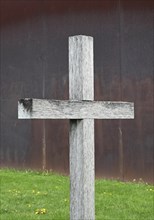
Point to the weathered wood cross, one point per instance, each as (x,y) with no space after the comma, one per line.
(81,110)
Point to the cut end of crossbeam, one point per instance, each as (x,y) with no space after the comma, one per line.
(25,108)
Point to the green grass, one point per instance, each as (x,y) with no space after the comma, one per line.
(29,195)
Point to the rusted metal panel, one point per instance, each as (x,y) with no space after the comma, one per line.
(137,66)
(34,63)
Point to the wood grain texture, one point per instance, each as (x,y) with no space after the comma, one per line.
(81,68)
(82,169)
(81,87)
(54,109)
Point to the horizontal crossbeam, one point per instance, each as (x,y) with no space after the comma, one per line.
(54,109)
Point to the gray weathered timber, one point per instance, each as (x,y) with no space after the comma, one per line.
(81,87)
(81,110)
(82,169)
(55,109)
(81,68)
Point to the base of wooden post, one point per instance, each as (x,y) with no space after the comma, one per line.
(82,170)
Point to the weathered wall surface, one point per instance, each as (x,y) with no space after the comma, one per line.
(34,63)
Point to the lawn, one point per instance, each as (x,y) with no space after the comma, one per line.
(32,195)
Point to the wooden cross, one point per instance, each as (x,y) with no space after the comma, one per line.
(81,110)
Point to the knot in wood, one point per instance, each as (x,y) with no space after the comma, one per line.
(27,104)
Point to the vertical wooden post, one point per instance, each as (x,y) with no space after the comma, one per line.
(81,87)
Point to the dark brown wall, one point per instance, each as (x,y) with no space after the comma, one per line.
(34,63)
